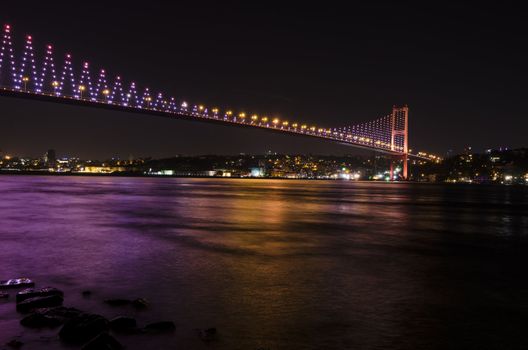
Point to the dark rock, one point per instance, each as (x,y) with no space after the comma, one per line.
(16,283)
(49,317)
(103,341)
(39,302)
(163,326)
(38,320)
(83,327)
(140,303)
(15,344)
(123,323)
(86,293)
(207,334)
(117,302)
(61,312)
(4,295)
(32,293)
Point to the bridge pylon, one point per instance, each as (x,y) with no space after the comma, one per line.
(400,138)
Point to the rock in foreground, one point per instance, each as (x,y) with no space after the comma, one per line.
(16,283)
(39,302)
(49,317)
(123,323)
(103,341)
(140,303)
(208,334)
(42,292)
(39,320)
(82,328)
(61,312)
(15,344)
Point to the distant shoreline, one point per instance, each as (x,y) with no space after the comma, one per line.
(133,174)
(138,175)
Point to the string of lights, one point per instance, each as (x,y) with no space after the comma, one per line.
(30,77)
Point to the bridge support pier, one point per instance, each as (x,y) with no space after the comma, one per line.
(405,166)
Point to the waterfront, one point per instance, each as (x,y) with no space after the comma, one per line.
(276,264)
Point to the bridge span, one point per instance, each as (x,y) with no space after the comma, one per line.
(33,74)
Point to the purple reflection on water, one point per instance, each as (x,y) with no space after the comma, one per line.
(277,264)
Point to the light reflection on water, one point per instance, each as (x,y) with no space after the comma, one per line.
(277,264)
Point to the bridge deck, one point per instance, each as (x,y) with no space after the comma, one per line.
(192,116)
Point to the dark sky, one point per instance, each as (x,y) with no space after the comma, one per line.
(460,66)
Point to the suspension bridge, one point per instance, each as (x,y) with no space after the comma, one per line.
(31,73)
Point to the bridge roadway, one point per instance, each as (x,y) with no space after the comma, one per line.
(193,116)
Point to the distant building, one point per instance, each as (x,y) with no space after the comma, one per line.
(257,172)
(50,158)
(102,169)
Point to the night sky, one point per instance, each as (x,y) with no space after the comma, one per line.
(460,66)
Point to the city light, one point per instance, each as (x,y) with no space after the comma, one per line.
(81,89)
(25,80)
(148,99)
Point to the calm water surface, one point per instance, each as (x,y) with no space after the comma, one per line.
(275,264)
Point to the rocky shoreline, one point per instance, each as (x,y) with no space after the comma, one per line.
(43,308)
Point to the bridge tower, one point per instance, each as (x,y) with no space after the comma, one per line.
(400,137)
